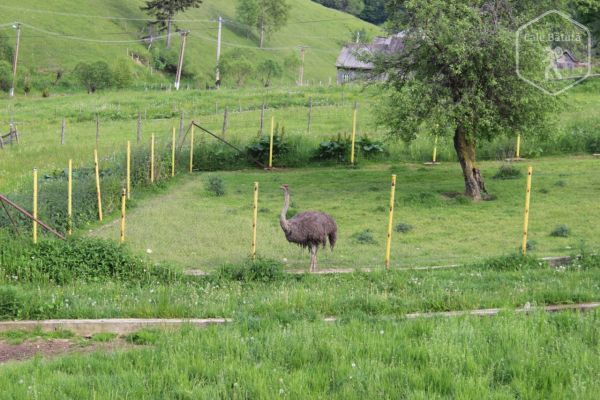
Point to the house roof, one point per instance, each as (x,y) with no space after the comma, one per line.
(352,56)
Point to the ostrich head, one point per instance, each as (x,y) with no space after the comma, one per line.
(285,187)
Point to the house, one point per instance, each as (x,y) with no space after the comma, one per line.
(568,61)
(352,63)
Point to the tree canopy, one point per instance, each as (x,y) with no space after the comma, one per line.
(267,16)
(165,10)
(456,76)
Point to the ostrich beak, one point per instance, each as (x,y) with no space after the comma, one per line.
(284,187)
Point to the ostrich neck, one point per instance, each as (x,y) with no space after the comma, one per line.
(285,225)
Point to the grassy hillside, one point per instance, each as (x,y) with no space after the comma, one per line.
(59,34)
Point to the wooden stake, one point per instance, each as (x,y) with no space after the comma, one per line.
(224,123)
(388,247)
(98,192)
(262,119)
(70,199)
(35,205)
(526,218)
(434,158)
(192,149)
(271,143)
(518,154)
(123,207)
(353,136)
(152,159)
(128,169)
(173,154)
(97,130)
(254,219)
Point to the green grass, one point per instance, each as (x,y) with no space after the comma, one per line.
(532,357)
(321,29)
(195,229)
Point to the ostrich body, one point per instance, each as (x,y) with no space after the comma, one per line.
(309,229)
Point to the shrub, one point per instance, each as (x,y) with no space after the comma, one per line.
(94,76)
(5,76)
(9,302)
(215,186)
(267,70)
(364,237)
(507,171)
(560,231)
(404,227)
(339,148)
(259,269)
(513,262)
(259,149)
(122,76)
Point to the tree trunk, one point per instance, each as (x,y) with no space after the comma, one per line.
(169,33)
(262,33)
(465,149)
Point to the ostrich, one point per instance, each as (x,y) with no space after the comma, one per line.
(308,229)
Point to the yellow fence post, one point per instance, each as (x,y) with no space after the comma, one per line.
(35,204)
(254,219)
(192,149)
(173,153)
(128,181)
(434,158)
(271,143)
(388,247)
(526,218)
(152,159)
(97,168)
(518,153)
(123,207)
(353,136)
(70,199)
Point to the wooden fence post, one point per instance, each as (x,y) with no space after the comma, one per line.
(224,130)
(123,208)
(262,120)
(526,217)
(98,192)
(271,143)
(434,158)
(192,149)
(152,159)
(97,130)
(70,199)
(254,219)
(128,169)
(388,247)
(35,205)
(518,152)
(353,135)
(173,154)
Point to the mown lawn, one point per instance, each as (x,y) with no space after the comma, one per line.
(193,228)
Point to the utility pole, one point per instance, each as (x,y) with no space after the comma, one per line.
(357,37)
(180,64)
(17,26)
(302,66)
(218,72)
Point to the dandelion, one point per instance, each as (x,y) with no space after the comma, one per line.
(353,365)
(281,391)
(149,251)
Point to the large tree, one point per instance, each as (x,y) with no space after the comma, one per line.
(267,16)
(165,10)
(456,75)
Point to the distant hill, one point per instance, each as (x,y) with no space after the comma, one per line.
(57,35)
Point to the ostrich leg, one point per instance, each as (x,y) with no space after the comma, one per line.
(313,258)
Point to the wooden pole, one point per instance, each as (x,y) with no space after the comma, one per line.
(97,130)
(180,63)
(353,136)
(35,205)
(271,142)
(254,219)
(301,80)
(15,60)
(434,158)
(518,153)
(62,132)
(98,192)
(388,247)
(139,130)
(152,159)
(173,154)
(224,123)
(128,169)
(70,199)
(526,218)
(262,119)
(181,124)
(123,207)
(192,149)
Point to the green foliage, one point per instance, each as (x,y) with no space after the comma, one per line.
(339,148)
(259,149)
(237,67)
(144,337)
(267,16)
(257,270)
(122,75)
(94,76)
(513,262)
(6,49)
(5,76)
(167,60)
(404,227)
(9,303)
(215,186)
(267,70)
(560,231)
(364,237)
(507,171)
(165,10)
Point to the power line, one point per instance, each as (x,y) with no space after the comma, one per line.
(83,39)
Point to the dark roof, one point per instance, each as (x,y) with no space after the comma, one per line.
(351,56)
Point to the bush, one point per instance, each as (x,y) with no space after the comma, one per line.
(404,228)
(364,237)
(259,149)
(5,76)
(215,186)
(122,76)
(94,76)
(507,171)
(560,231)
(513,262)
(9,302)
(261,270)
(339,148)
